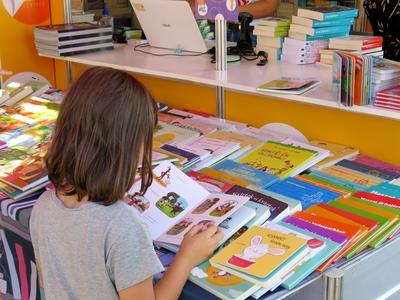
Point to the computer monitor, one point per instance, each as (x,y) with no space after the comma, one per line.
(169,24)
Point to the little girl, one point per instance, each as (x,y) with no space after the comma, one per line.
(88,243)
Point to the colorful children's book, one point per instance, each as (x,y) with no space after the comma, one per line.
(314,246)
(308,194)
(194,125)
(329,248)
(324,185)
(338,181)
(221,283)
(338,152)
(288,86)
(386,189)
(167,133)
(392,217)
(355,42)
(174,203)
(351,176)
(341,28)
(260,254)
(225,177)
(327,13)
(322,153)
(256,177)
(352,232)
(272,21)
(278,159)
(380,199)
(317,24)
(267,208)
(211,184)
(383,224)
(378,164)
(371,171)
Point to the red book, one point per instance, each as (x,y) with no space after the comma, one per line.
(392,93)
(379,199)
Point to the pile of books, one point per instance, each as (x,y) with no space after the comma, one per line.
(270,33)
(353,72)
(357,44)
(389,98)
(23,142)
(316,24)
(72,39)
(16,91)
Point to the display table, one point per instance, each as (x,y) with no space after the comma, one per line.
(370,275)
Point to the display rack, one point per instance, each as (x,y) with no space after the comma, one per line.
(369,276)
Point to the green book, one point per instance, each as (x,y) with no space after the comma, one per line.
(325,181)
(392,228)
(383,224)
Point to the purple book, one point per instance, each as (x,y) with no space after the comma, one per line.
(334,236)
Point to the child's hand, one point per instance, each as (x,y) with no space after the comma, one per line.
(199,244)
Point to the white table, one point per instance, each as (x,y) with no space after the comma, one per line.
(241,77)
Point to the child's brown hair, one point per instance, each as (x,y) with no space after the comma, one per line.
(103,134)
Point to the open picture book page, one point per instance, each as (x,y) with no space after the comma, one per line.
(174,203)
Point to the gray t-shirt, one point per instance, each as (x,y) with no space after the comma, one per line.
(90,252)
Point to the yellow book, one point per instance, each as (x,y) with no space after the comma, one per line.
(338,152)
(259,251)
(278,159)
(351,176)
(225,177)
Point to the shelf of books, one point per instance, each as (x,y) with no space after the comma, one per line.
(293,212)
(245,77)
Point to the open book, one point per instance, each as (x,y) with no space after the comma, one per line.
(175,202)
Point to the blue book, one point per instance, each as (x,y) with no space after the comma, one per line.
(308,194)
(306,37)
(338,181)
(327,13)
(385,189)
(317,24)
(254,176)
(314,262)
(332,30)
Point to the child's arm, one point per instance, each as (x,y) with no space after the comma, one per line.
(196,247)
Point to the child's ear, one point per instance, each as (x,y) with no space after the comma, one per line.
(255,241)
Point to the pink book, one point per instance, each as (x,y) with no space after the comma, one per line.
(378,164)
(388,99)
(393,92)
(388,106)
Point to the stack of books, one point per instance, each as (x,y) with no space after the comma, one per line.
(389,98)
(270,33)
(72,39)
(302,52)
(316,24)
(357,44)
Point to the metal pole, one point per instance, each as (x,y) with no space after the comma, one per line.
(333,283)
(68,20)
(221,62)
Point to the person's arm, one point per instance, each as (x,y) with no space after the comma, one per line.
(197,246)
(260,9)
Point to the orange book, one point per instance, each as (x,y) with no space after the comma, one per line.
(321,212)
(338,190)
(351,231)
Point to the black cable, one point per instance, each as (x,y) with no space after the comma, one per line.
(164,54)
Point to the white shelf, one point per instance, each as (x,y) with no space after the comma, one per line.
(241,77)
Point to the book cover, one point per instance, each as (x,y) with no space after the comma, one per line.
(167,133)
(174,202)
(380,199)
(82,26)
(256,177)
(189,156)
(376,163)
(353,165)
(383,224)
(351,176)
(352,186)
(261,203)
(16,92)
(277,158)
(308,194)
(243,140)
(322,153)
(320,30)
(327,12)
(314,246)
(355,40)
(225,177)
(338,152)
(324,185)
(259,251)
(317,24)
(167,117)
(306,37)
(272,21)
(211,184)
(386,189)
(269,34)
(194,125)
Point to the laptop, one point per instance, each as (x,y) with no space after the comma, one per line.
(169,24)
